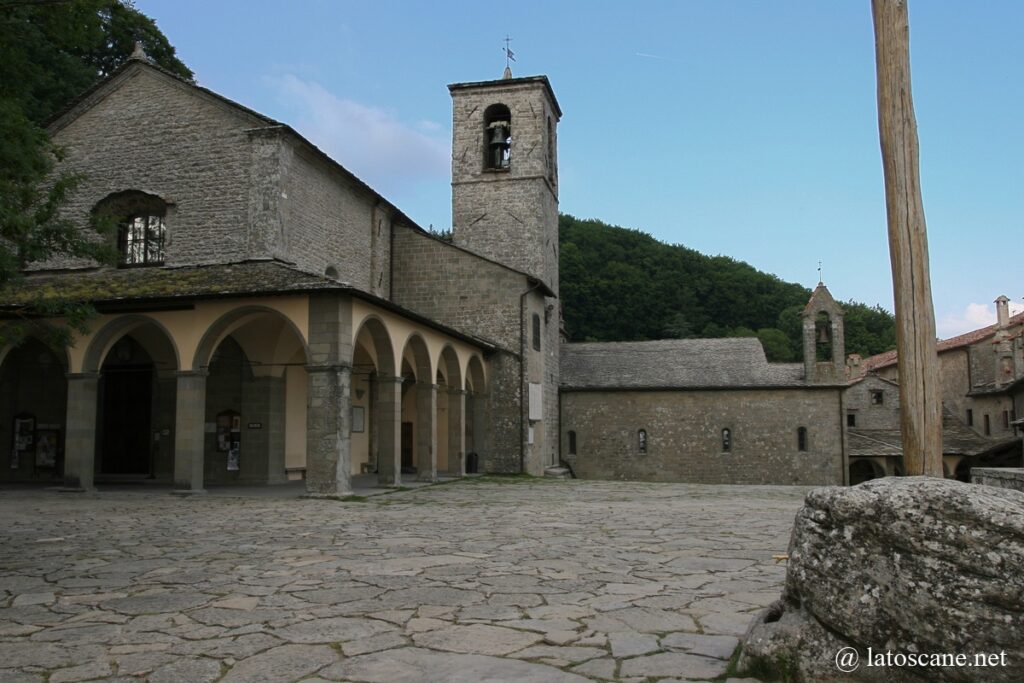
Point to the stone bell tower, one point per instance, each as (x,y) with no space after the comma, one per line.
(505,208)
(824,342)
(505,173)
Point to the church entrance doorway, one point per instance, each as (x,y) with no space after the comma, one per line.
(127,400)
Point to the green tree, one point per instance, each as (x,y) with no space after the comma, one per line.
(777,347)
(620,284)
(49,53)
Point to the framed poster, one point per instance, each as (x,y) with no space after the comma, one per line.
(358,419)
(24,433)
(46,448)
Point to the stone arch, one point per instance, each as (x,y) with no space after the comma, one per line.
(375,396)
(61,352)
(418,409)
(231,321)
(135,359)
(421,363)
(374,331)
(864,469)
(33,390)
(450,412)
(254,358)
(475,379)
(963,471)
(448,360)
(112,332)
(476,407)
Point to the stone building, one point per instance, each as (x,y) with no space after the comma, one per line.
(982,382)
(273,316)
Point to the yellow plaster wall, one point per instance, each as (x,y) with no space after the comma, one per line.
(399,330)
(187,327)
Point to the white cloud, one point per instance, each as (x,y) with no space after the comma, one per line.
(369,141)
(974,316)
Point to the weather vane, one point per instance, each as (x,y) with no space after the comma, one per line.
(509,55)
(819,273)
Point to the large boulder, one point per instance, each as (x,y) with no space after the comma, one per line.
(907,566)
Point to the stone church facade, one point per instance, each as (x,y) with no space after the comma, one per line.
(273,317)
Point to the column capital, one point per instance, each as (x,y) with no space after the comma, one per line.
(329,367)
(81,375)
(191,373)
(384,379)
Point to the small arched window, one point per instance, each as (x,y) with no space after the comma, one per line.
(497,138)
(726,440)
(332,273)
(536,332)
(801,439)
(641,441)
(572,442)
(141,230)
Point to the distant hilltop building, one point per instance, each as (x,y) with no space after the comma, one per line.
(273,317)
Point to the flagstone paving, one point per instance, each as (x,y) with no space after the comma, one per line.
(537,581)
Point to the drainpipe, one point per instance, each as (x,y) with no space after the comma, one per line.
(523,331)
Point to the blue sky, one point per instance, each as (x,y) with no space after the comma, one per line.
(733,127)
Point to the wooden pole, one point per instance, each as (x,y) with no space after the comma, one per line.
(920,405)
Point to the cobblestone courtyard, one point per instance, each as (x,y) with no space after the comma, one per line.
(480,580)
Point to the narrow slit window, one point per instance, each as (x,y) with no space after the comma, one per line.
(851,419)
(801,439)
(970,417)
(726,440)
(641,439)
(536,332)
(572,442)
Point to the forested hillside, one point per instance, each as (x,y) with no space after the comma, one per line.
(623,285)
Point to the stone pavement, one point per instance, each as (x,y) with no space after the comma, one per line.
(489,579)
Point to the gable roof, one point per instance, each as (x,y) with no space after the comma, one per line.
(957,439)
(888,358)
(729,363)
(110,288)
(102,87)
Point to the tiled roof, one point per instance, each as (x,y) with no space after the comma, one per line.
(957,439)
(675,364)
(889,357)
(109,285)
(104,287)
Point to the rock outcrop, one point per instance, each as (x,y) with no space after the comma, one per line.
(908,566)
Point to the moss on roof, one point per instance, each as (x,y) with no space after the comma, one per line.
(105,285)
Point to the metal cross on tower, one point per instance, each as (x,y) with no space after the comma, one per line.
(509,55)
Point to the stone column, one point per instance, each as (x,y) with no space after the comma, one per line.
(190,432)
(426,431)
(456,432)
(80,440)
(328,431)
(389,434)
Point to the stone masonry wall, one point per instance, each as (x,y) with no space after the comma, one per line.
(329,221)
(162,137)
(684,436)
(857,399)
(456,288)
(508,215)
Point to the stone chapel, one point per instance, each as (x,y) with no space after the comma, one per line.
(272,317)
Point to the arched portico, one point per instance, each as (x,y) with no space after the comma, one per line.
(33,394)
(252,365)
(419,410)
(376,396)
(864,469)
(121,407)
(451,414)
(475,411)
